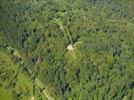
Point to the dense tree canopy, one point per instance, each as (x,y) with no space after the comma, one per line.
(101,66)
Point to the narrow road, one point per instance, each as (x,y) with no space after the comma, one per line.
(64,29)
(37,81)
(41,85)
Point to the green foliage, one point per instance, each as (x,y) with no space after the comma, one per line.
(100,67)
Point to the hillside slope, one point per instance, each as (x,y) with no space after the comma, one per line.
(100,65)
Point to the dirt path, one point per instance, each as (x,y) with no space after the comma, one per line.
(37,81)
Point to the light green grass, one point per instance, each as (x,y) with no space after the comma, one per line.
(23,83)
(5,94)
(71,56)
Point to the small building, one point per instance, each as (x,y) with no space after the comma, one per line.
(32,98)
(70,47)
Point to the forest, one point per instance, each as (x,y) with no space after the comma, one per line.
(66,49)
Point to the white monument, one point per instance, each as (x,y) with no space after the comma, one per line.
(70,47)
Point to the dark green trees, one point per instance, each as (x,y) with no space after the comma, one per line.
(99,67)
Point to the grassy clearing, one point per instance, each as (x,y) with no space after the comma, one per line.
(23,85)
(5,94)
(71,56)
